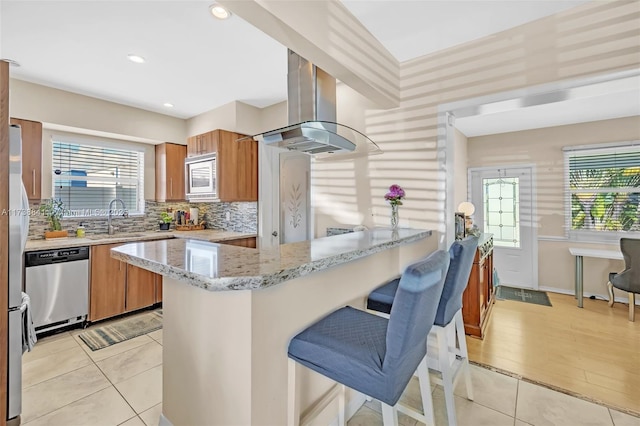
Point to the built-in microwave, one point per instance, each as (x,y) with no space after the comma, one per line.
(200,174)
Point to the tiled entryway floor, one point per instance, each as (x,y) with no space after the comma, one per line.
(67,384)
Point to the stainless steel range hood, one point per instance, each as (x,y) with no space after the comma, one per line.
(312,114)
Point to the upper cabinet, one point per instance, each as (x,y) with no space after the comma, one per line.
(170,185)
(205,143)
(237,163)
(31,156)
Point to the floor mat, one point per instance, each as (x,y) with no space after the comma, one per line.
(102,337)
(523,295)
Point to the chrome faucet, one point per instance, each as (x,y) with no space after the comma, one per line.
(109,226)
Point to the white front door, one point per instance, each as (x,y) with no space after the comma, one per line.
(504,201)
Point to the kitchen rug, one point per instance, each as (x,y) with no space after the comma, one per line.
(522,295)
(125,329)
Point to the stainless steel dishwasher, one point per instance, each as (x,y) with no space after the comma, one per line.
(57,281)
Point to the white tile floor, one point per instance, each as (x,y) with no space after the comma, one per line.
(67,384)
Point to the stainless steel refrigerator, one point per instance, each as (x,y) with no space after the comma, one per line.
(18,229)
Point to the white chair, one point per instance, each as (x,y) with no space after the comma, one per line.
(446,344)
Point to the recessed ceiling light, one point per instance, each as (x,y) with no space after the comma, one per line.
(168,104)
(136,58)
(11,62)
(219,11)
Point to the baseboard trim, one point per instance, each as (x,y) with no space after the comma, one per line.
(164,421)
(605,297)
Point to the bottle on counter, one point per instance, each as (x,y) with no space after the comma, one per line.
(80,232)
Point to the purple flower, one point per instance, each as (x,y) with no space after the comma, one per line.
(395,194)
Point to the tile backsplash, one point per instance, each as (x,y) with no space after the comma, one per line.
(242,217)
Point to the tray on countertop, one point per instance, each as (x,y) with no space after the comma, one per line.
(190,227)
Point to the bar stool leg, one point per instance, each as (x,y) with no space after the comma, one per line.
(632,307)
(293,402)
(462,343)
(389,415)
(341,406)
(447,375)
(425,392)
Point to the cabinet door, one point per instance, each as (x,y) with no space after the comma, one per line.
(192,146)
(175,171)
(209,142)
(141,288)
(170,172)
(108,277)
(158,288)
(31,156)
(237,168)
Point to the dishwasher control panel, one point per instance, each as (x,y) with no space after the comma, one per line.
(47,257)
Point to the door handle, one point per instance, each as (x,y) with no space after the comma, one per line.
(274,233)
(33,182)
(171,186)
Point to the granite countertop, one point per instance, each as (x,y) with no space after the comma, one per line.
(96,239)
(216,267)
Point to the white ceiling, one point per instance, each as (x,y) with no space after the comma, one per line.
(193,60)
(413,28)
(199,63)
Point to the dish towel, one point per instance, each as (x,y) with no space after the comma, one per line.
(28,330)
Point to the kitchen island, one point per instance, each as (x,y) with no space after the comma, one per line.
(229,313)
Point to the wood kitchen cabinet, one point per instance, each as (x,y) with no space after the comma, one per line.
(236,163)
(478,297)
(141,288)
(108,282)
(205,143)
(117,287)
(170,184)
(249,242)
(31,156)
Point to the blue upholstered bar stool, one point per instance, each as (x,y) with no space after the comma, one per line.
(371,354)
(447,347)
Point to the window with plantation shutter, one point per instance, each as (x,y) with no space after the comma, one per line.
(603,190)
(86,177)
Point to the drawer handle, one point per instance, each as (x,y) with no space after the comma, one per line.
(33,181)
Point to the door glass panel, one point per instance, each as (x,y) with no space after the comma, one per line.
(502,210)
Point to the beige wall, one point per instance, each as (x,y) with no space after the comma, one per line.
(40,103)
(239,117)
(543,147)
(459,168)
(592,39)
(79,117)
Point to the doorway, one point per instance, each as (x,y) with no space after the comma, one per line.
(505,200)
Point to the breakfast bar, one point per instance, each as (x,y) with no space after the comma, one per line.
(229,313)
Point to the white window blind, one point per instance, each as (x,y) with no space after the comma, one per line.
(604,189)
(87,177)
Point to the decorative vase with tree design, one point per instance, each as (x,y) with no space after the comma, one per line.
(394,217)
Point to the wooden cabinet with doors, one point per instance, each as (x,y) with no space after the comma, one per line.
(108,281)
(117,287)
(478,297)
(249,242)
(205,143)
(236,163)
(31,156)
(170,184)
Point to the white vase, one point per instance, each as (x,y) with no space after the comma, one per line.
(394,217)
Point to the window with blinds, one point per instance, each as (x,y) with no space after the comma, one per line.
(604,189)
(87,177)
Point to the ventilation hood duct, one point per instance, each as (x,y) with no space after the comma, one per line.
(312,114)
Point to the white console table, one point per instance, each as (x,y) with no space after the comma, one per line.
(579,253)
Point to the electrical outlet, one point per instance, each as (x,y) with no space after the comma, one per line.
(227,216)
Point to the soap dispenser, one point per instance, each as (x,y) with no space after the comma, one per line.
(80,231)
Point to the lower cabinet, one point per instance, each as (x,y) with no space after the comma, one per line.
(117,287)
(249,242)
(478,297)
